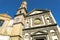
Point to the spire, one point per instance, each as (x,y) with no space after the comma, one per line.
(24,4)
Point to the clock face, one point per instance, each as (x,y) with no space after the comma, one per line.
(37,21)
(1,22)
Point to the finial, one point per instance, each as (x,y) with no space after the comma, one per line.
(24,4)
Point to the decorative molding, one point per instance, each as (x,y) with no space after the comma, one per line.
(38,34)
(43,20)
(18,23)
(16,36)
(40,27)
(31,22)
(20,14)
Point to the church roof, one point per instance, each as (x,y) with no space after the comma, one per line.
(5,15)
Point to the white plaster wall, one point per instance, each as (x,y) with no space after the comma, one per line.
(4,37)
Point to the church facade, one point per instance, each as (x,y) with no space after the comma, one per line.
(38,24)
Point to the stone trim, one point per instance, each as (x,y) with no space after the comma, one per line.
(39,27)
(38,34)
(18,23)
(16,36)
(20,14)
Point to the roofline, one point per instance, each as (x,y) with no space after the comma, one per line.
(37,13)
(38,10)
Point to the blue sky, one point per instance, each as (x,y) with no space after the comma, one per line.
(11,6)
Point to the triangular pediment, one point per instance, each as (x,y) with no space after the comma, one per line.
(36,11)
(39,33)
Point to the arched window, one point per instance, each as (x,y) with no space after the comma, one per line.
(20,12)
(48,20)
(1,22)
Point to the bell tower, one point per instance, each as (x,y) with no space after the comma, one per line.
(22,9)
(19,20)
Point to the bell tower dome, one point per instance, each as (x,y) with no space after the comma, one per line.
(24,4)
